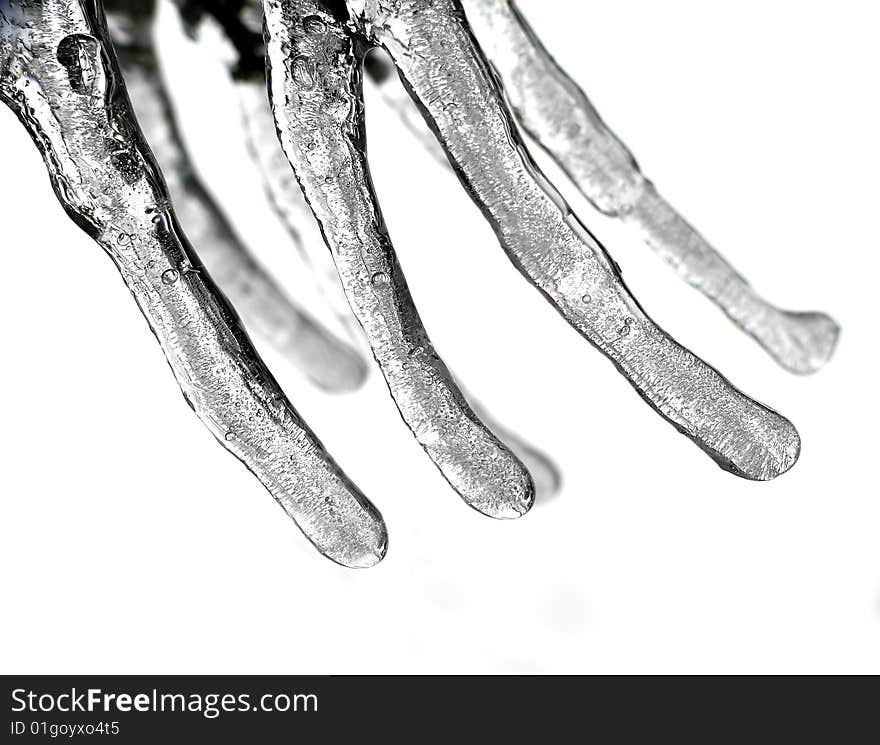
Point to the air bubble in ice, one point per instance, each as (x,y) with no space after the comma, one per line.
(303,71)
(314,26)
(80,56)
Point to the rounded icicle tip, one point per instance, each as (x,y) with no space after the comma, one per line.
(507,494)
(767,457)
(359,544)
(810,343)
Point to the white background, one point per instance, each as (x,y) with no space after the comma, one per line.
(130,542)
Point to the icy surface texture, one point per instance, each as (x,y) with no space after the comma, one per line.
(287,199)
(266,311)
(315,90)
(554,110)
(314,55)
(238,45)
(59,74)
